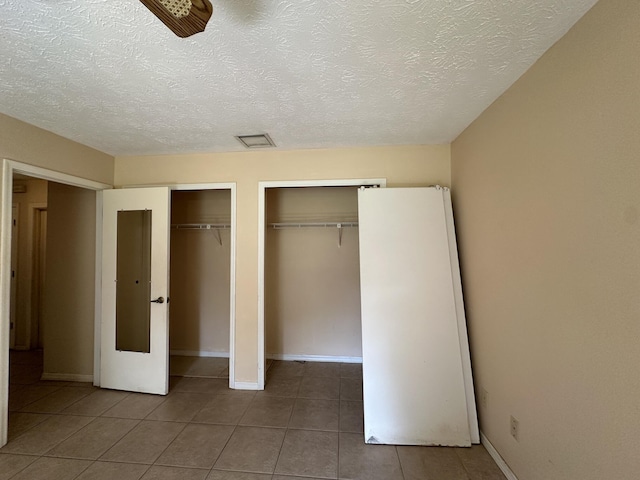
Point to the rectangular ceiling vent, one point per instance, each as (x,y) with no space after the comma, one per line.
(262,140)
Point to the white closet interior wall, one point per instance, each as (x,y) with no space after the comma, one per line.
(312,283)
(199,283)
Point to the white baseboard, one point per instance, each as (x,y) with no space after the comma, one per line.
(502,465)
(245,386)
(67,377)
(313,358)
(199,353)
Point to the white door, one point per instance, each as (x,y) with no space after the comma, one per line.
(414,385)
(14,272)
(135,288)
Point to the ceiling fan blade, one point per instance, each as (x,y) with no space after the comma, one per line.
(183,17)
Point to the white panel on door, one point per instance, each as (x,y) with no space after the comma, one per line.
(414,387)
(135,285)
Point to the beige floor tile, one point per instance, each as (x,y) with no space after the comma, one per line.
(174,473)
(479,464)
(144,443)
(252,449)
(315,414)
(97,403)
(46,435)
(320,387)
(351,417)
(268,412)
(20,422)
(308,453)
(287,369)
(281,386)
(180,407)
(25,395)
(352,370)
(113,471)
(53,469)
(58,400)
(223,475)
(321,369)
(94,439)
(351,389)
(431,463)
(224,409)
(199,385)
(367,462)
(135,405)
(288,477)
(11,464)
(197,446)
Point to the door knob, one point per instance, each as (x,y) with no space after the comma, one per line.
(158,300)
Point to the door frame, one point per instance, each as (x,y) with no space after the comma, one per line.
(9,167)
(262,214)
(232,274)
(15,241)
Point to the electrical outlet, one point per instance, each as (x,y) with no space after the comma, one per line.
(515,427)
(484,397)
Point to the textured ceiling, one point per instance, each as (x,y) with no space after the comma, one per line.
(311,73)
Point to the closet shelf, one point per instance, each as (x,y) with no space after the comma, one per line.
(200,226)
(338,225)
(313,224)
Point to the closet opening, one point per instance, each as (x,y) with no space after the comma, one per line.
(200,283)
(309,311)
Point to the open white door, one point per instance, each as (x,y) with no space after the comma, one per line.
(415,390)
(135,288)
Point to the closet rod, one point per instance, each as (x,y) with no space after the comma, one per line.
(313,224)
(200,226)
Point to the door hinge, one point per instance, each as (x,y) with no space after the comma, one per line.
(13,274)
(11,326)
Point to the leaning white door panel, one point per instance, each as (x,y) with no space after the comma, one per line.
(414,390)
(136,358)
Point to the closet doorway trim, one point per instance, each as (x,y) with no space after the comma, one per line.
(262,191)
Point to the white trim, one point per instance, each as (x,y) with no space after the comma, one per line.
(8,168)
(246,386)
(53,176)
(67,377)
(313,358)
(232,274)
(15,228)
(199,353)
(262,190)
(6,208)
(502,465)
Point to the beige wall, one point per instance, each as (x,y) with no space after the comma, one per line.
(28,144)
(312,285)
(402,166)
(200,266)
(36,193)
(69,294)
(546,187)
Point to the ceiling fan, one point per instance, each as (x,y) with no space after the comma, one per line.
(183,17)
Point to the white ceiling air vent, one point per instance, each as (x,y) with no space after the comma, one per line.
(262,140)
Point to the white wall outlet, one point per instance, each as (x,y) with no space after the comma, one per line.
(515,427)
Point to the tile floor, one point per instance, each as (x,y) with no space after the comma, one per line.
(307,424)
